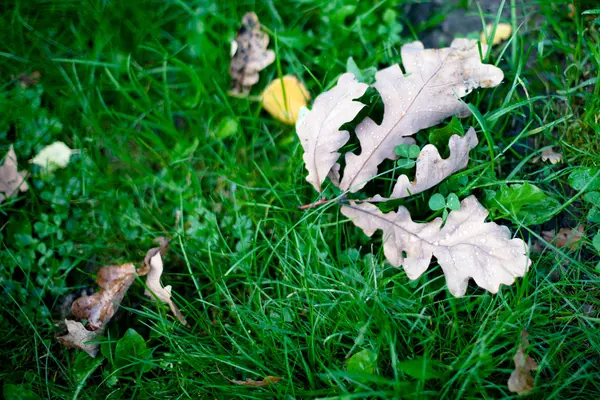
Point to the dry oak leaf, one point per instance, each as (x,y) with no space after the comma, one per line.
(428,93)
(521,381)
(502,32)
(432,168)
(565,237)
(11,180)
(285,108)
(466,247)
(156,289)
(100,307)
(78,337)
(319,130)
(251,55)
(549,154)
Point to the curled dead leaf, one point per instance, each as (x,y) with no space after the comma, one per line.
(267,381)
(251,55)
(285,108)
(565,237)
(502,32)
(99,308)
(11,180)
(155,289)
(521,381)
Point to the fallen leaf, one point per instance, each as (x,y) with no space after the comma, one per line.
(53,157)
(465,247)
(251,55)
(78,337)
(285,109)
(432,169)
(426,93)
(521,381)
(319,130)
(11,180)
(267,381)
(565,237)
(502,32)
(549,154)
(155,288)
(99,308)
(28,80)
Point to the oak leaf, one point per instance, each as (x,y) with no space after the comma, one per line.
(465,247)
(11,180)
(429,92)
(548,154)
(566,237)
(155,289)
(319,130)
(521,381)
(432,169)
(250,54)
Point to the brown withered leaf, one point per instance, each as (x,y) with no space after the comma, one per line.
(11,180)
(78,338)
(27,80)
(251,55)
(521,381)
(565,237)
(267,381)
(99,308)
(155,289)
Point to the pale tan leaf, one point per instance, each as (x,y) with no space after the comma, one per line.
(54,156)
(156,290)
(78,337)
(466,247)
(285,108)
(99,308)
(549,154)
(11,180)
(565,237)
(251,55)
(521,381)
(502,32)
(319,130)
(432,168)
(429,92)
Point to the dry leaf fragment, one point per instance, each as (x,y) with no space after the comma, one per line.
(285,108)
(53,157)
(11,180)
(267,381)
(565,237)
(549,154)
(429,92)
(503,32)
(251,55)
(465,247)
(156,289)
(319,130)
(78,338)
(521,381)
(27,80)
(432,169)
(100,307)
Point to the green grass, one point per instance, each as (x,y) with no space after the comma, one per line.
(141,89)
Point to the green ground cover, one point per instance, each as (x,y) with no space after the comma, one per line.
(140,87)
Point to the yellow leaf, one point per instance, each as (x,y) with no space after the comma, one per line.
(296,97)
(503,32)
